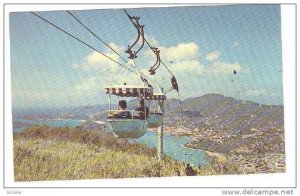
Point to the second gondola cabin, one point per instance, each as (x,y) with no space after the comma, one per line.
(127,123)
(155,116)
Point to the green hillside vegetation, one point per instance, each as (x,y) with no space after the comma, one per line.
(54,153)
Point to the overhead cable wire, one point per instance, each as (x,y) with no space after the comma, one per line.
(180,105)
(160,59)
(69,34)
(105,44)
(174,82)
(96,36)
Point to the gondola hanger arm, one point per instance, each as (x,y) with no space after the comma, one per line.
(143,40)
(129,51)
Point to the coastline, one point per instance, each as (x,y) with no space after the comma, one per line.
(219,157)
(183,146)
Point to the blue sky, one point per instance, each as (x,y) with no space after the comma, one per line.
(204,44)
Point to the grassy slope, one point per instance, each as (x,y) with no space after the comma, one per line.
(49,153)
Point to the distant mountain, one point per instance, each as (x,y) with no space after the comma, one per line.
(247,132)
(211,110)
(218,111)
(72,112)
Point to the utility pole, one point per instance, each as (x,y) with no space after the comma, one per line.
(160,133)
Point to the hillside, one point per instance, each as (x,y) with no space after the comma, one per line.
(250,134)
(210,110)
(216,111)
(246,132)
(209,117)
(49,153)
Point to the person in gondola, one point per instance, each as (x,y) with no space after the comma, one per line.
(142,109)
(122,113)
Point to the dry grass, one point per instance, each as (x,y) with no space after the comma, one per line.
(49,153)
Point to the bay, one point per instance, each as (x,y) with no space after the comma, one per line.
(173,146)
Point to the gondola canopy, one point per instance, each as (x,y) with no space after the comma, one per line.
(129,91)
(133,125)
(157,96)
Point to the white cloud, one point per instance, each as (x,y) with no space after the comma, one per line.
(117,48)
(152,41)
(128,77)
(103,71)
(213,56)
(219,67)
(223,68)
(180,52)
(96,61)
(187,67)
(182,59)
(183,51)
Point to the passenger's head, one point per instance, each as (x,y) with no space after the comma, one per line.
(142,103)
(123,104)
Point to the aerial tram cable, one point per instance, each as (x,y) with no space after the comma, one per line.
(140,32)
(143,40)
(140,35)
(154,49)
(155,115)
(156,65)
(167,67)
(69,34)
(137,26)
(140,28)
(173,79)
(180,104)
(96,36)
(158,59)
